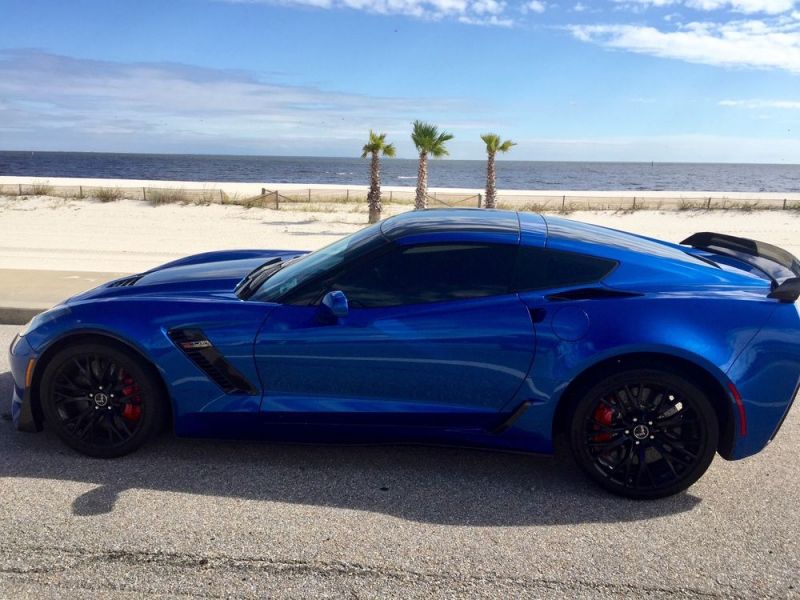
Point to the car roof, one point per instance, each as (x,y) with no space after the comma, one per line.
(462,224)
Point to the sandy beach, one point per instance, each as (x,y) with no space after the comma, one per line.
(52,233)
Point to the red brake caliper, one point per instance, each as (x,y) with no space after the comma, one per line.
(132,410)
(603,415)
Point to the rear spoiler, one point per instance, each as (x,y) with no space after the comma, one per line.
(780,266)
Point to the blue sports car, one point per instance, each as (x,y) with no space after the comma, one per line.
(470,327)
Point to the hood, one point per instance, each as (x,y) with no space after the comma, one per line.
(212,273)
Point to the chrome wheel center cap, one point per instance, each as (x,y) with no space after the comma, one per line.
(100,399)
(641,432)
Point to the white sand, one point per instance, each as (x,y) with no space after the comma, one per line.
(131,236)
(252,189)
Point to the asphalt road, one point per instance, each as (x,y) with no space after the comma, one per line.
(197,518)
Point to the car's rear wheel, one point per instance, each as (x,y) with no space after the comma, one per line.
(644,433)
(100,399)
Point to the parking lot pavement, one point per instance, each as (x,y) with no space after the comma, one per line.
(228,519)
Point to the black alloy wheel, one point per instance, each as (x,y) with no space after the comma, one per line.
(101,400)
(644,433)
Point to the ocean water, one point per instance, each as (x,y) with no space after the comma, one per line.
(511,174)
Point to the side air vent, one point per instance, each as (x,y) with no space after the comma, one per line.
(590,294)
(194,344)
(126,281)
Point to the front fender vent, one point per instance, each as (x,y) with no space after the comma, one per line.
(196,346)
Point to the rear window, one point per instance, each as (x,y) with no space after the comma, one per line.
(541,268)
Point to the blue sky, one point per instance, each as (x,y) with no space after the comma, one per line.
(664,80)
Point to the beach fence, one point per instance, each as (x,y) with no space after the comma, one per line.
(355,199)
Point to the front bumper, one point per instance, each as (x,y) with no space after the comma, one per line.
(22,412)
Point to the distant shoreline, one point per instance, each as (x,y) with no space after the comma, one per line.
(445,174)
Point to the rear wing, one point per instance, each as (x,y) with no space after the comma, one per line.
(781,267)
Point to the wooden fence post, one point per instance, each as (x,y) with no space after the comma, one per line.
(390,197)
(144,194)
(20,189)
(277,200)
(480,200)
(80,190)
(263,191)
(309,194)
(784,204)
(634,203)
(563,202)
(708,204)
(221,196)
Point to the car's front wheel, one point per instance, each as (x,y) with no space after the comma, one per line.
(101,400)
(644,433)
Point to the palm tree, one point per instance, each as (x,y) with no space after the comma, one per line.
(428,140)
(493,146)
(376,146)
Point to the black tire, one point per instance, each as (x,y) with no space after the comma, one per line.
(101,400)
(644,433)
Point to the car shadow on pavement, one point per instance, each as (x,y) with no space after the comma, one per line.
(437,485)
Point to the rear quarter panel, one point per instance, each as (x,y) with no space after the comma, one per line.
(573,336)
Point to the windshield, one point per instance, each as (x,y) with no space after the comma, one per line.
(297,272)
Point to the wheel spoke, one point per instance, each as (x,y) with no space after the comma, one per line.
(83,371)
(669,458)
(608,444)
(643,469)
(629,393)
(64,399)
(599,427)
(678,420)
(614,406)
(76,419)
(666,450)
(119,422)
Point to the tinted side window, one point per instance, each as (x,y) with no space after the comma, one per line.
(540,268)
(430,273)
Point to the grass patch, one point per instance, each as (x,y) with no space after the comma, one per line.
(108,194)
(160,197)
(41,189)
(560,208)
(744,206)
(684,204)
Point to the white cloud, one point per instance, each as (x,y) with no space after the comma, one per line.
(765,44)
(488,7)
(473,12)
(579,7)
(57,102)
(770,7)
(492,20)
(762,104)
(535,6)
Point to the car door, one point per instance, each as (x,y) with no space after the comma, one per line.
(434,336)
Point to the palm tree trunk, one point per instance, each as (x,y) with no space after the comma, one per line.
(374,197)
(491,182)
(421,200)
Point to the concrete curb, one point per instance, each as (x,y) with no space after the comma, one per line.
(18,315)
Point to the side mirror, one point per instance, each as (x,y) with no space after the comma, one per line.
(334,305)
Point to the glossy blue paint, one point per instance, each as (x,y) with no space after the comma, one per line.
(450,371)
(460,360)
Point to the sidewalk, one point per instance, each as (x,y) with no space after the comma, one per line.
(24,293)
